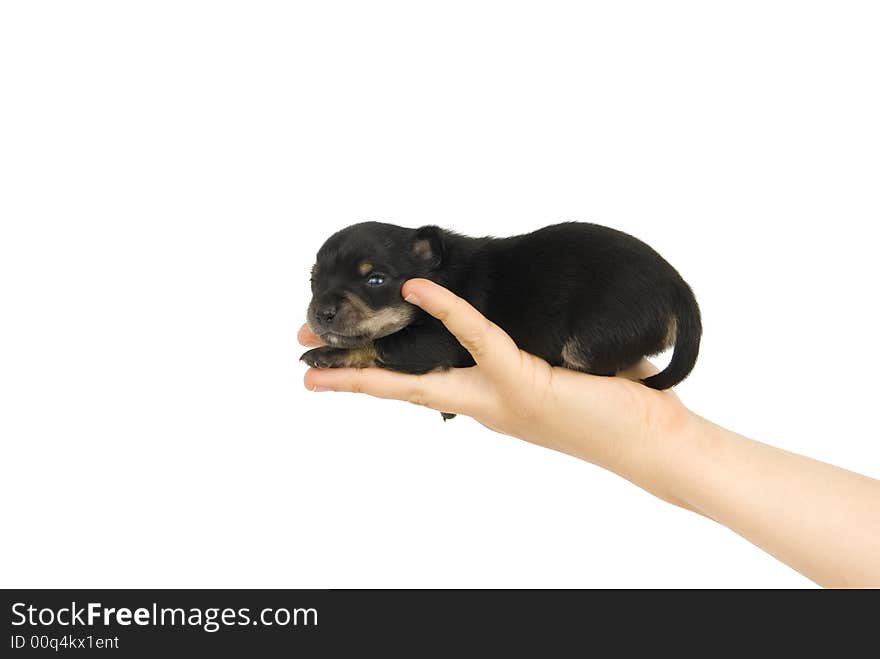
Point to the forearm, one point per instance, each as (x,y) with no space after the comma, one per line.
(821,520)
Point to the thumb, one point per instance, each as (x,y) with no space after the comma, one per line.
(488,344)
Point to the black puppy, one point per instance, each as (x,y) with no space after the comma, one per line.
(578,295)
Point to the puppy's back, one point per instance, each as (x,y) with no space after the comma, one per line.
(586,285)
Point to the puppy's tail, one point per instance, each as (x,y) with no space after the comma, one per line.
(688,330)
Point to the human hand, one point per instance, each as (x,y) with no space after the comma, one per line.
(609,421)
(819,519)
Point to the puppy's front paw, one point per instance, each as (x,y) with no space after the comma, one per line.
(324,357)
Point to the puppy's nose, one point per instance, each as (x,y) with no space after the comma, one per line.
(326,314)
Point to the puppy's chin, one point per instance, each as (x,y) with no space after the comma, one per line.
(355,341)
(343,341)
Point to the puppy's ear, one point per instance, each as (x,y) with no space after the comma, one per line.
(427,247)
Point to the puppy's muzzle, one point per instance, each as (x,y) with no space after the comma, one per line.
(348,322)
(336,322)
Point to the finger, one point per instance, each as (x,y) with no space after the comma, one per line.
(308,338)
(446,391)
(489,345)
(639,371)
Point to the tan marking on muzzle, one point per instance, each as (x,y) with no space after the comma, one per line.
(377,323)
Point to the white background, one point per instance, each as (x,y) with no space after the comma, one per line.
(169,169)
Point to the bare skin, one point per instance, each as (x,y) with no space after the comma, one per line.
(821,520)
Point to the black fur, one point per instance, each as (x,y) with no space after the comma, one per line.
(575,294)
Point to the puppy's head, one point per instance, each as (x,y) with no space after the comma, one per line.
(357,278)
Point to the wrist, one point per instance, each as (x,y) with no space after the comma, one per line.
(668,456)
(685,460)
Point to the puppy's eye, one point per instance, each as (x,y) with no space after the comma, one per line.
(375,280)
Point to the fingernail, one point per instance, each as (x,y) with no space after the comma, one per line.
(412,299)
(319,389)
